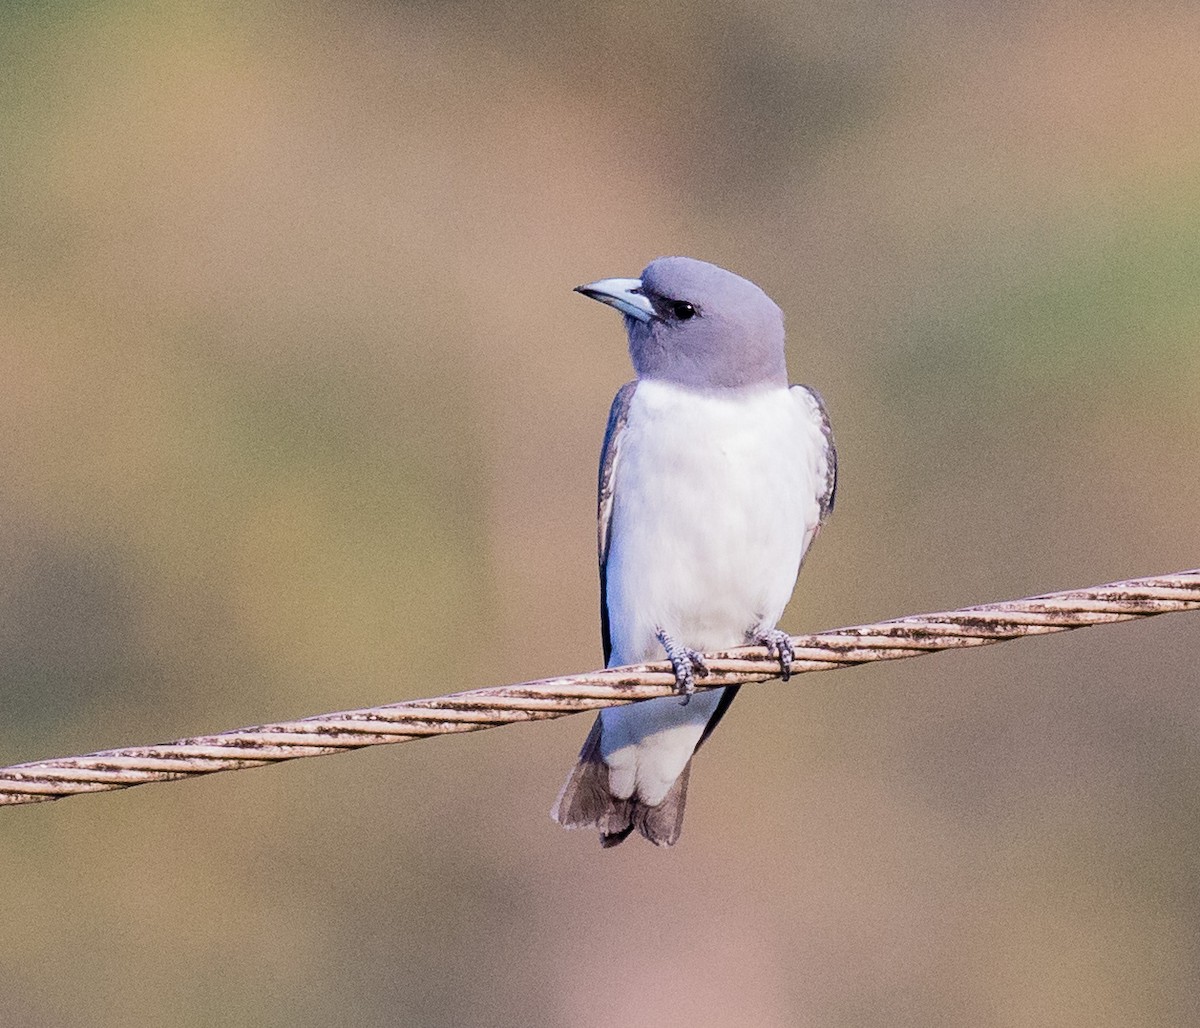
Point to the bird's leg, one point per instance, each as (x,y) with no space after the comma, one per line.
(687,664)
(778,644)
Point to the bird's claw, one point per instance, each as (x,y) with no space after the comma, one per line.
(688,664)
(779,646)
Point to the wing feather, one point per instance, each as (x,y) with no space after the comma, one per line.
(829,494)
(609,454)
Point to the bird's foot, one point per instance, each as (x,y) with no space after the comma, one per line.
(779,646)
(687,664)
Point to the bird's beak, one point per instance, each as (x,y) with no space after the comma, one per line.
(623,293)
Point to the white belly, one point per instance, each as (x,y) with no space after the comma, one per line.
(715,502)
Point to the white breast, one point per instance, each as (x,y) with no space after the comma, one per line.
(715,502)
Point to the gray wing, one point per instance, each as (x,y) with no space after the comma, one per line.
(829,494)
(617,417)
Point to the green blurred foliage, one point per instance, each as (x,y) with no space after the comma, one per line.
(299,413)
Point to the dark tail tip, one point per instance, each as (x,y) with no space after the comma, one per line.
(610,839)
(585,801)
(662,824)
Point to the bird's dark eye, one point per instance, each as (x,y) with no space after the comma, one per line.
(683,310)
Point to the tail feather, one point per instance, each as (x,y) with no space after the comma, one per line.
(585,801)
(610,839)
(661,824)
(585,798)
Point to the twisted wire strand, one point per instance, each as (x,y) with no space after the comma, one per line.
(547,698)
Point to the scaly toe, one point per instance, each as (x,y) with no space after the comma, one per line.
(696,659)
(687,664)
(779,645)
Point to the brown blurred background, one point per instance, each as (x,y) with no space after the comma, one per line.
(298,412)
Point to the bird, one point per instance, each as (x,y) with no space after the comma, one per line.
(715,477)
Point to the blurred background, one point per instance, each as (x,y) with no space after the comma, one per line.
(298,413)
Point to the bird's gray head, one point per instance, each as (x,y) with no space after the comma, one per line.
(697,325)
